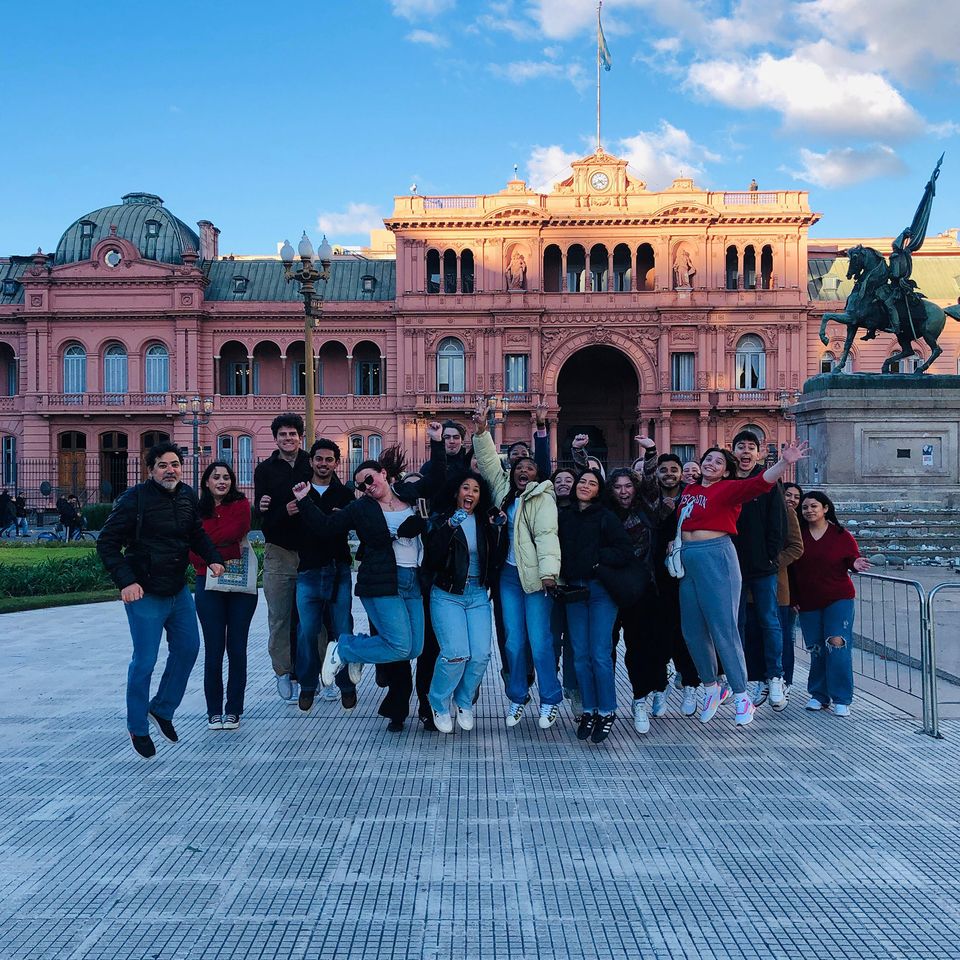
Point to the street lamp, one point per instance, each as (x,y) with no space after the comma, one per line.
(195,413)
(307,276)
(493,404)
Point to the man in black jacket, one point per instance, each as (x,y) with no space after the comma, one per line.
(324,594)
(144,546)
(273,483)
(761,530)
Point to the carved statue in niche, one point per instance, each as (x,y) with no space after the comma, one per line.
(683,269)
(516,275)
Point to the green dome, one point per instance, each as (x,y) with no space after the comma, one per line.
(140,218)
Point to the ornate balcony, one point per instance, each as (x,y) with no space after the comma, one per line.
(748,398)
(11,404)
(251,403)
(105,402)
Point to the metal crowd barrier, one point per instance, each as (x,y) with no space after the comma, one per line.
(894,639)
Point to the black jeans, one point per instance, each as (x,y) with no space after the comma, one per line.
(225,621)
(648,647)
(668,615)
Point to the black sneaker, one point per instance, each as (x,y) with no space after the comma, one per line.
(143,745)
(231,721)
(395,726)
(305,700)
(602,728)
(165,727)
(428,723)
(348,700)
(587,720)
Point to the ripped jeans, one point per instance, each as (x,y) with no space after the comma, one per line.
(464,629)
(831,666)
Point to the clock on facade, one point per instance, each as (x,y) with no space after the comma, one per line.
(600,181)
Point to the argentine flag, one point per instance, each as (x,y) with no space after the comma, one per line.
(603,51)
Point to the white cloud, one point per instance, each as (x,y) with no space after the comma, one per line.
(843,167)
(501,19)
(358,218)
(418,9)
(521,71)
(808,94)
(659,156)
(547,166)
(427,37)
(944,129)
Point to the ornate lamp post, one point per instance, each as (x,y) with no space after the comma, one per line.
(307,276)
(497,410)
(195,413)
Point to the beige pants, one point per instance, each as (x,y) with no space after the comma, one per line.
(280,591)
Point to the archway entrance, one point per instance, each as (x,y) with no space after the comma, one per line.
(598,392)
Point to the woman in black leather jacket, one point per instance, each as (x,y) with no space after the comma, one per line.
(463,550)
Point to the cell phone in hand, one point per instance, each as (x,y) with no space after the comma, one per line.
(497,517)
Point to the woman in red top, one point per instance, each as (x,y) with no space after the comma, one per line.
(224,617)
(824,593)
(710,587)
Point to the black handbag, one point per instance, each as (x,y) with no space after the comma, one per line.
(563,593)
(626,585)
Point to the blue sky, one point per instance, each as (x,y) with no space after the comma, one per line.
(268,118)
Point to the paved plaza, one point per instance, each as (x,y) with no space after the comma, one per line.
(323,836)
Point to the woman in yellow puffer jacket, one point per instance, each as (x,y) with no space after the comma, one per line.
(529,573)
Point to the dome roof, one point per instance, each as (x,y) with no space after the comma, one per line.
(140,218)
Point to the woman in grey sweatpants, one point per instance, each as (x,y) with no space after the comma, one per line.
(710,587)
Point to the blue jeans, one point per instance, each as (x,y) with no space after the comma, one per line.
(399,621)
(831,667)
(788,623)
(526,617)
(315,589)
(148,618)
(463,627)
(765,610)
(225,621)
(591,624)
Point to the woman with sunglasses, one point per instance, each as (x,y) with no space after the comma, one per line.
(530,570)
(388,527)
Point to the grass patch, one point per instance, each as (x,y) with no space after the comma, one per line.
(37,554)
(16,604)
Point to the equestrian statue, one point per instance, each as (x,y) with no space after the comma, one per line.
(885,300)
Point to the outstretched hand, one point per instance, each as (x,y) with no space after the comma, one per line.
(645,442)
(862,564)
(479,416)
(796,450)
(435,430)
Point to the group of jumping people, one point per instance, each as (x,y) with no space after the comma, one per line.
(702,568)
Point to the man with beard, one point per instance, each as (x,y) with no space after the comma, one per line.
(144,546)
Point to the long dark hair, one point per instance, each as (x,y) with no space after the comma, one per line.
(610,499)
(512,495)
(207,505)
(601,483)
(446,500)
(730,459)
(825,502)
(799,489)
(392,461)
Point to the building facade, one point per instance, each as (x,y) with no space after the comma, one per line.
(684,313)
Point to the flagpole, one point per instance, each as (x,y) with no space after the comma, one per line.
(599,4)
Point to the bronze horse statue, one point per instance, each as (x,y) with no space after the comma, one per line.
(865,310)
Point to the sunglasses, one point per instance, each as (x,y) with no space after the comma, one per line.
(367,481)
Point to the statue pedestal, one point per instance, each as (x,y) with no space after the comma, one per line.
(887,440)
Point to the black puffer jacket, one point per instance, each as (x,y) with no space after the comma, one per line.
(761,532)
(589,538)
(448,555)
(170,528)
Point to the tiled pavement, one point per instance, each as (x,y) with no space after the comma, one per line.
(324,836)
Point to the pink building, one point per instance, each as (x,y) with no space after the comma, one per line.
(685,313)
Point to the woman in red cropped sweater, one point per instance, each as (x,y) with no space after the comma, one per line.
(710,588)
(224,617)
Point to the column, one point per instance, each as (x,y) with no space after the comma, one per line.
(663,441)
(552,431)
(608,286)
(702,423)
(563,271)
(351,383)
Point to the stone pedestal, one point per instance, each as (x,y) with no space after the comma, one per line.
(892,441)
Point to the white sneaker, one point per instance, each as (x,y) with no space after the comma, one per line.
(658,702)
(514,713)
(758,691)
(787,687)
(443,721)
(813,704)
(548,715)
(745,709)
(284,687)
(840,709)
(354,672)
(330,693)
(465,719)
(689,706)
(332,664)
(641,722)
(711,702)
(778,699)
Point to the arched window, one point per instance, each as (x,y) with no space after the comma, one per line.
(115,369)
(749,268)
(751,364)
(827,362)
(766,268)
(552,268)
(733,268)
(755,429)
(599,266)
(8,460)
(433,271)
(156,372)
(75,369)
(244,459)
(225,448)
(646,267)
(576,268)
(621,268)
(449,271)
(451,365)
(374,446)
(466,271)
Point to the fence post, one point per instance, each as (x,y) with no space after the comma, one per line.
(931,713)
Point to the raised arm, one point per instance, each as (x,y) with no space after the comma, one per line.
(649,488)
(793,452)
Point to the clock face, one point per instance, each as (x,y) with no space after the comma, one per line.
(600,181)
